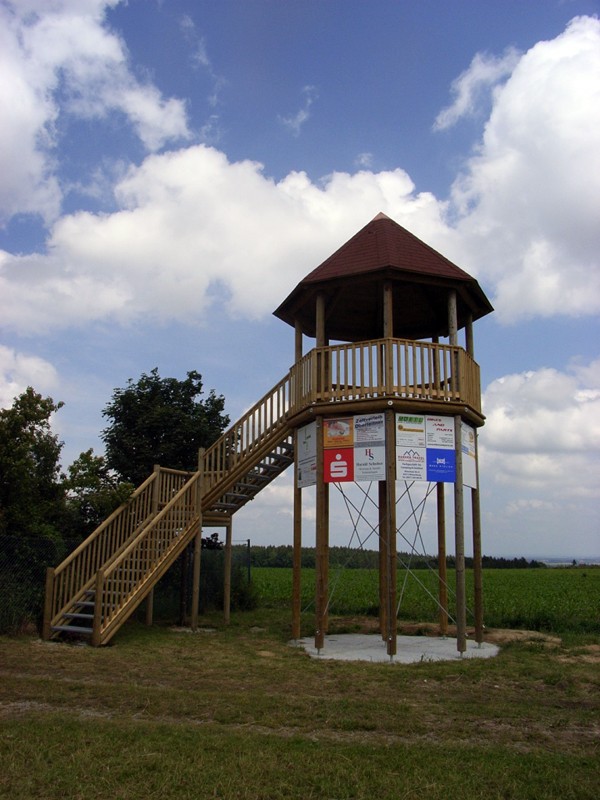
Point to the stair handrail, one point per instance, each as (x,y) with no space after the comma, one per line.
(251,431)
(129,575)
(76,572)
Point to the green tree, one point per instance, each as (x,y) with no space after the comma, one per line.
(31,491)
(93,493)
(160,421)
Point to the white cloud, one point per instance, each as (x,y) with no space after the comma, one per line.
(295,121)
(528,202)
(19,370)
(542,432)
(484,73)
(190,221)
(63,49)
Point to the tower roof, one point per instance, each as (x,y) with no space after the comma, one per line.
(352,280)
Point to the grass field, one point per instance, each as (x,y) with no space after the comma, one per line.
(235,712)
(554,600)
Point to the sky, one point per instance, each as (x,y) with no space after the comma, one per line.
(171,169)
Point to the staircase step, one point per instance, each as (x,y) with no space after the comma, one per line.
(75,615)
(85,603)
(71,629)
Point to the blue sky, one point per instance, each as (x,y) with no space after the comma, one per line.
(171,169)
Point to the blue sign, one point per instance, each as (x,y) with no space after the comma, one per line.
(441,465)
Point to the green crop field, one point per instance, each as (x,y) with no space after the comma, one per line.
(554,600)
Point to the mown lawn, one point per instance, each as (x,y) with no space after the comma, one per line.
(237,713)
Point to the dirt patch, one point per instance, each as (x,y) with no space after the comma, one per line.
(590,654)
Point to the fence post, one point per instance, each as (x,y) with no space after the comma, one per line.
(48,603)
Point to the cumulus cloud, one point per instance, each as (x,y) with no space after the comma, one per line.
(20,370)
(483,75)
(543,430)
(59,60)
(527,204)
(191,222)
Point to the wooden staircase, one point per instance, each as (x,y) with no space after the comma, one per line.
(99,585)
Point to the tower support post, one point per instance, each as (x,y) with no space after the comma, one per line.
(459,543)
(322,543)
(297,547)
(390,529)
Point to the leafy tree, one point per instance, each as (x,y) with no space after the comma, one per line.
(93,493)
(160,421)
(31,491)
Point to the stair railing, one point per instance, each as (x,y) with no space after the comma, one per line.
(251,432)
(76,573)
(124,583)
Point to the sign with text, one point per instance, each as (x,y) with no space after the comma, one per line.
(469,455)
(354,448)
(307,455)
(425,448)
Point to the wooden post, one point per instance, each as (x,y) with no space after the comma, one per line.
(48,603)
(452,317)
(390,451)
(441,527)
(155,507)
(322,544)
(442,568)
(477,555)
(320,321)
(197,542)
(383,565)
(297,341)
(297,549)
(227,575)
(97,621)
(459,537)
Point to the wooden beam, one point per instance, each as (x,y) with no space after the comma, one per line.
(442,568)
(477,554)
(452,317)
(390,449)
(383,565)
(197,541)
(297,546)
(459,539)
(322,544)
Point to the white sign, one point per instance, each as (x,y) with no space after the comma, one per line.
(307,455)
(469,455)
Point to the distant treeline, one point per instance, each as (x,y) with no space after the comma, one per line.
(351,558)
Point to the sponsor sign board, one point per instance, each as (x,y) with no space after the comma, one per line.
(354,448)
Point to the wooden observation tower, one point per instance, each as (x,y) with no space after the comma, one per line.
(379,398)
(386,401)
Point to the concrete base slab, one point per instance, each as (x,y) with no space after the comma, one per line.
(411,649)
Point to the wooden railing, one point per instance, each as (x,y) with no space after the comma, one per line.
(77,572)
(249,434)
(386,368)
(125,581)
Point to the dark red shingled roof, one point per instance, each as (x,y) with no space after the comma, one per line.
(352,281)
(382,244)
